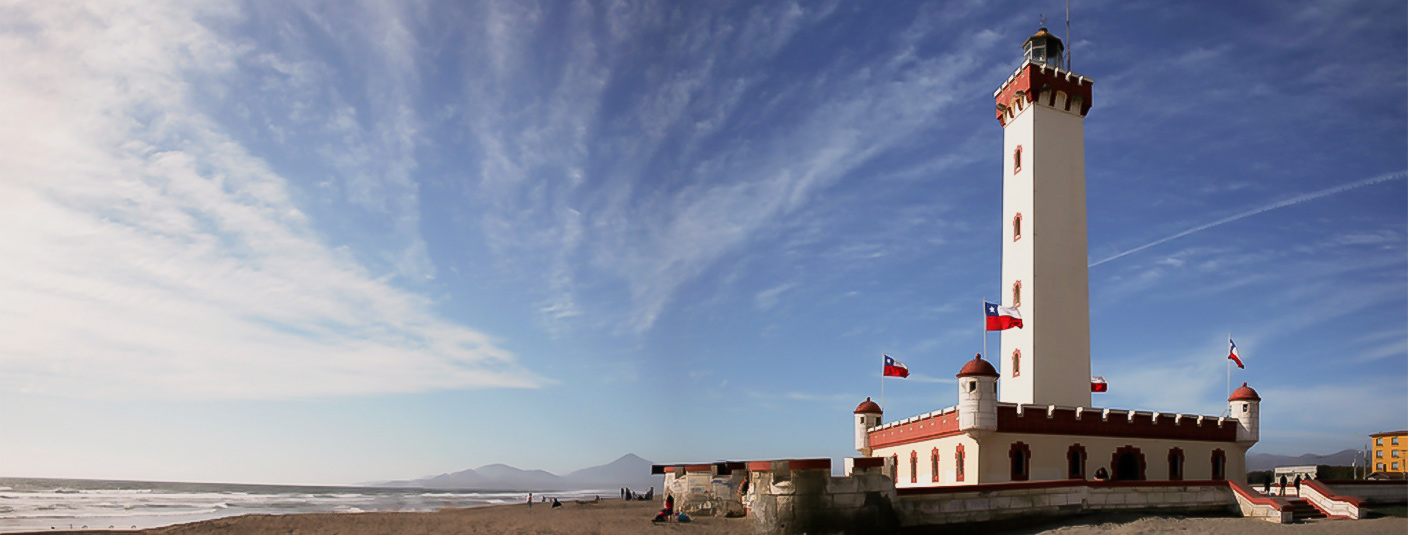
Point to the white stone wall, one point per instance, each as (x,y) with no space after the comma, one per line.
(1049,259)
(948,468)
(1048,456)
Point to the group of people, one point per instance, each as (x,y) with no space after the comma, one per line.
(628,495)
(1266,486)
(555,503)
(668,513)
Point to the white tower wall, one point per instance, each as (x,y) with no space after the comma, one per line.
(863,422)
(1049,258)
(977,405)
(1248,415)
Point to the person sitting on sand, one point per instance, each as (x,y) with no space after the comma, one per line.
(661,517)
(556,504)
(669,505)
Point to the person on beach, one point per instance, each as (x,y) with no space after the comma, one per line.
(556,504)
(530,500)
(669,505)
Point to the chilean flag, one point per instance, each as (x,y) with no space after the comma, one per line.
(894,368)
(1232,354)
(1098,384)
(1001,318)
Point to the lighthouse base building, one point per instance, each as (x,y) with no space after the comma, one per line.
(1023,439)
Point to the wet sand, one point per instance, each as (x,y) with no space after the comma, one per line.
(616,517)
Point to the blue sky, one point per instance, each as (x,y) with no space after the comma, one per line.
(337,242)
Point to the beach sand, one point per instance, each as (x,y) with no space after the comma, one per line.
(617,517)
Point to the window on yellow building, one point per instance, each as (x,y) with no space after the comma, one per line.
(1395,453)
(1379,454)
(1393,441)
(1378,441)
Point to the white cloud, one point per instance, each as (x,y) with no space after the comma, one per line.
(149,255)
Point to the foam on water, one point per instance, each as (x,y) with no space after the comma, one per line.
(41,505)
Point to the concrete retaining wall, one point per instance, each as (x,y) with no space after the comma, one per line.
(1009,501)
(1371,491)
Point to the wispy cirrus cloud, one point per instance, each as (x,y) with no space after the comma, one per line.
(149,254)
(708,147)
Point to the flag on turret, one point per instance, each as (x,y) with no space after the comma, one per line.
(894,368)
(1098,384)
(1232,354)
(1001,318)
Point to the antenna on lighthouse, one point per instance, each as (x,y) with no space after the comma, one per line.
(1068,35)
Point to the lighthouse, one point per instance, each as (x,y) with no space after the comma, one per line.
(1042,109)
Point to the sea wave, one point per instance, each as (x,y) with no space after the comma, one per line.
(31,516)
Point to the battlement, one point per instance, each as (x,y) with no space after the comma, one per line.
(940,423)
(1058,420)
(1042,84)
(1083,421)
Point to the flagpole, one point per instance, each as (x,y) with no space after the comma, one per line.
(1229,365)
(882,382)
(985,327)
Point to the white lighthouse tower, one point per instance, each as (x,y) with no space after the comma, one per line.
(1042,109)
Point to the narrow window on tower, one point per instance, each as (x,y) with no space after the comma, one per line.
(1017,294)
(1017,160)
(895,462)
(1016,362)
(1017,227)
(934,465)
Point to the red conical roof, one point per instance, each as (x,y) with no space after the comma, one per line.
(868,407)
(1244,392)
(978,366)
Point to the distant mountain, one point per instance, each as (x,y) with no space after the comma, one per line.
(627,471)
(1265,461)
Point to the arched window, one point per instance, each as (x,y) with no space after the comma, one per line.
(895,462)
(934,465)
(1017,227)
(1017,160)
(958,463)
(1075,462)
(1219,465)
(1016,362)
(1021,455)
(1175,464)
(1127,464)
(913,466)
(1017,294)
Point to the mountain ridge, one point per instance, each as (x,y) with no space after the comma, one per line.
(1265,461)
(628,470)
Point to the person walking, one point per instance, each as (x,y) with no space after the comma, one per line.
(530,500)
(1297,484)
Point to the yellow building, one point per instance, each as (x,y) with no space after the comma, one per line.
(1389,453)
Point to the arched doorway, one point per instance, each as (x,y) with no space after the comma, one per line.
(1127,464)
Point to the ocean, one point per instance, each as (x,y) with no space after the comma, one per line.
(28,504)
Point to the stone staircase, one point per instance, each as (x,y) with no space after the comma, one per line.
(1303,510)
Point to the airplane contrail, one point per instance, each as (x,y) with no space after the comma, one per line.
(1288,202)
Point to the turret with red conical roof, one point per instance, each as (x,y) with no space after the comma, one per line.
(868,415)
(1245,405)
(977,397)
